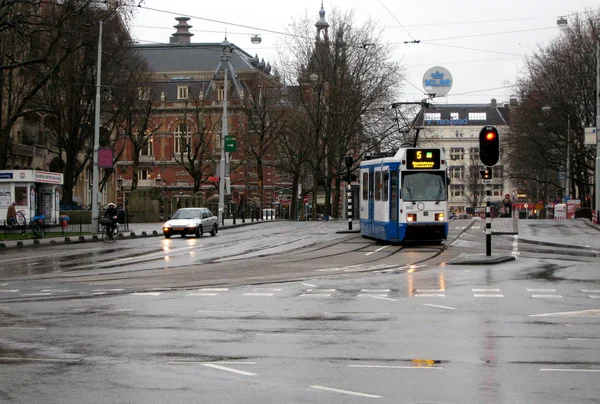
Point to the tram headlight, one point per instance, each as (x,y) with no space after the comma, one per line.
(439,217)
(411,217)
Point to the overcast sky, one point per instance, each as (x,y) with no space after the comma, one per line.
(482,43)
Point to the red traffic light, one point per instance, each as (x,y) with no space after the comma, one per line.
(489,146)
(490,136)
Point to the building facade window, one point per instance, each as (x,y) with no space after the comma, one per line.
(497,190)
(144,174)
(454,115)
(477,116)
(474,152)
(221,93)
(457,153)
(457,190)
(144,93)
(147,149)
(433,116)
(182,92)
(497,172)
(457,172)
(182,138)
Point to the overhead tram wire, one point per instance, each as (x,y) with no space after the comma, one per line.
(394,17)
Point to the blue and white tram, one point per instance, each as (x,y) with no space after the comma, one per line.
(405,197)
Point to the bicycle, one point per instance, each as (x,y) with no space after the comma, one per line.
(110,230)
(36,225)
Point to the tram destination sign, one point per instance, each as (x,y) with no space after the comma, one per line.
(423,159)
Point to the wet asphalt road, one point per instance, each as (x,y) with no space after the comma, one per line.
(355,328)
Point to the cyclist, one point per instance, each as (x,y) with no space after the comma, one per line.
(112,213)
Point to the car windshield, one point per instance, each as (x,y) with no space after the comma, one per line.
(187,214)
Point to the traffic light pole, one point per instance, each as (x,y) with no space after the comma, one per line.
(488,221)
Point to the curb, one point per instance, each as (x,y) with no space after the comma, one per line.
(480,259)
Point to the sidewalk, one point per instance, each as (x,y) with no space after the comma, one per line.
(135,230)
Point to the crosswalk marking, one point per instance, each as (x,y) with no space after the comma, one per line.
(547,296)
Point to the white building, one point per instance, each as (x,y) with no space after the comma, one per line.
(456,127)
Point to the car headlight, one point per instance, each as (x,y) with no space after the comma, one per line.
(191,225)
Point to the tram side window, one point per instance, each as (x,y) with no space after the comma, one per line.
(378,186)
(394,195)
(21,196)
(385,185)
(365,186)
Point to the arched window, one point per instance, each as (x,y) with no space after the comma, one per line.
(183,138)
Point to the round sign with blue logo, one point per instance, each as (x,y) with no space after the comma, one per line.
(437,81)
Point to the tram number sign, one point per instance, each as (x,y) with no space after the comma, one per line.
(423,159)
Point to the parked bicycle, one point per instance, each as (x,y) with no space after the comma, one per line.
(110,229)
(36,225)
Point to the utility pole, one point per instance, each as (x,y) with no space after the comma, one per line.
(95,170)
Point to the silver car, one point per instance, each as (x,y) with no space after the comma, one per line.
(191,221)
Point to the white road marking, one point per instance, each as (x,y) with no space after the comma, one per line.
(375,290)
(3,284)
(228,311)
(35,294)
(430,290)
(372,295)
(258,294)
(590,291)
(541,290)
(355,313)
(430,295)
(17,359)
(594,296)
(213,290)
(211,363)
(580,313)
(515,250)
(380,297)
(441,307)
(107,290)
(321,290)
(280,334)
(241,372)
(104,310)
(377,250)
(55,290)
(570,370)
(105,283)
(485,290)
(9,290)
(396,367)
(354,393)
(583,339)
(316,294)
(146,293)
(547,296)
(497,295)
(266,290)
(202,294)
(309,285)
(23,328)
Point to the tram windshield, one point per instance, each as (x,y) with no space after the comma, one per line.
(424,186)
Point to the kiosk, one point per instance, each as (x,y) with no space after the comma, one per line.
(35,192)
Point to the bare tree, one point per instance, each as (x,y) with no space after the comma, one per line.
(474,189)
(346,81)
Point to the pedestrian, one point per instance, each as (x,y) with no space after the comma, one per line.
(11,214)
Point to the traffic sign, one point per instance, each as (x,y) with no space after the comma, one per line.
(507,196)
(230,144)
(305,198)
(213,179)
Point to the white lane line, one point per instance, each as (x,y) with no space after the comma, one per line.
(3,284)
(17,359)
(55,290)
(590,291)
(146,293)
(353,393)
(279,334)
(258,294)
(309,285)
(210,363)
(320,290)
(375,290)
(355,313)
(485,290)
(380,297)
(35,294)
(594,296)
(105,283)
(103,311)
(430,295)
(541,290)
(202,294)
(213,290)
(569,370)
(515,250)
(430,290)
(267,290)
(316,294)
(23,328)
(9,290)
(107,290)
(241,372)
(583,339)
(497,295)
(228,312)
(377,250)
(547,296)
(395,367)
(441,307)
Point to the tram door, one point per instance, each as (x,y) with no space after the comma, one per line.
(393,201)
